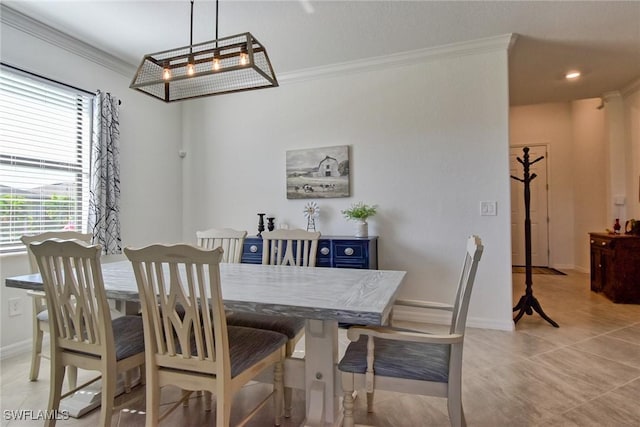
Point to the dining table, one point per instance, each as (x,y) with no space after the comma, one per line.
(323,296)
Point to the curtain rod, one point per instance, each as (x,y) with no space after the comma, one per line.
(88,92)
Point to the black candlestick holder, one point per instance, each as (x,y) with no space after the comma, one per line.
(270,223)
(260,224)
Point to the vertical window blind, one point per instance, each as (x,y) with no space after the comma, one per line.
(45,137)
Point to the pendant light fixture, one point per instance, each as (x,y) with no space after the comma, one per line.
(224,65)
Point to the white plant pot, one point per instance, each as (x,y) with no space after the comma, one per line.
(362,228)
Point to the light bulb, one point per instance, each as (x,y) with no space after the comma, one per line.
(244,58)
(166,73)
(216,63)
(190,69)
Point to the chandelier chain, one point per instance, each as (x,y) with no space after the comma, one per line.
(191,32)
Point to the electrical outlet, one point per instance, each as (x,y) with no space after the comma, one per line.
(488,208)
(15,306)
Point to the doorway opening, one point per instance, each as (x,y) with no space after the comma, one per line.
(539,207)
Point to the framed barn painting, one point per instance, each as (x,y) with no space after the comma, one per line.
(315,173)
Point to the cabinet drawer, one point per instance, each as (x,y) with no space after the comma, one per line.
(333,251)
(600,242)
(252,251)
(324,256)
(350,250)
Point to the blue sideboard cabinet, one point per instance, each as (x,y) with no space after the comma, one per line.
(333,251)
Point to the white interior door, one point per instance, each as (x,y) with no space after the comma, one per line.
(538,213)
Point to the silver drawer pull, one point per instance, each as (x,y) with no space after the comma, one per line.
(604,243)
(593,241)
(348,251)
(324,251)
(253,249)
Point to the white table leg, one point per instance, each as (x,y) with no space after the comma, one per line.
(321,357)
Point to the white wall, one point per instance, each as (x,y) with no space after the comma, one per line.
(550,124)
(151,186)
(575,135)
(631,99)
(428,142)
(590,176)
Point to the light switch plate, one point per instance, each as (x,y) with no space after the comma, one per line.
(15,307)
(488,208)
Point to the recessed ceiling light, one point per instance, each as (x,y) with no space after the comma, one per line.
(572,75)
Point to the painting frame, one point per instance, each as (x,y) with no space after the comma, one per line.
(318,173)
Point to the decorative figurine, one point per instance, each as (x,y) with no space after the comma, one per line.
(617,226)
(311,212)
(260,224)
(270,223)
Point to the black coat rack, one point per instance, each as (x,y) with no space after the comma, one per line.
(528,303)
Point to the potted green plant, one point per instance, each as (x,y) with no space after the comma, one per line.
(359,212)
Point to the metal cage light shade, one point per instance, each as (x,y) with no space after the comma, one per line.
(229,64)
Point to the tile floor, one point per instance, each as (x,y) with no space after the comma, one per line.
(586,373)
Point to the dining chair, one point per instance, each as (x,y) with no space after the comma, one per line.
(283,247)
(231,241)
(409,361)
(188,343)
(40,320)
(82,332)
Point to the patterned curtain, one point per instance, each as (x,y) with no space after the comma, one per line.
(104,198)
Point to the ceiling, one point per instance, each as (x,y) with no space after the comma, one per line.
(599,38)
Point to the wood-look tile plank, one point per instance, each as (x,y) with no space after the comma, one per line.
(612,348)
(591,373)
(618,408)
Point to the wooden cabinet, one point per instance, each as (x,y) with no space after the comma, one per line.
(615,266)
(333,251)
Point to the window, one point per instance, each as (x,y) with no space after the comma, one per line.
(45,136)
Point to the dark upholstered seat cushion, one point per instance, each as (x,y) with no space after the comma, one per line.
(399,359)
(128,336)
(247,346)
(289,326)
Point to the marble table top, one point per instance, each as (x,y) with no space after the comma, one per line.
(347,295)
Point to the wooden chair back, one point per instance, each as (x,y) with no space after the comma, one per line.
(182,330)
(230,240)
(64,235)
(465,284)
(79,314)
(290,247)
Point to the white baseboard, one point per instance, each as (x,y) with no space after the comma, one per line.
(577,268)
(409,315)
(22,347)
(564,266)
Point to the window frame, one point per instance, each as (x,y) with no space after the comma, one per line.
(78,104)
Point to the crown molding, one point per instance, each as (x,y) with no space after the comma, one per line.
(38,29)
(42,31)
(631,88)
(490,44)
(607,96)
